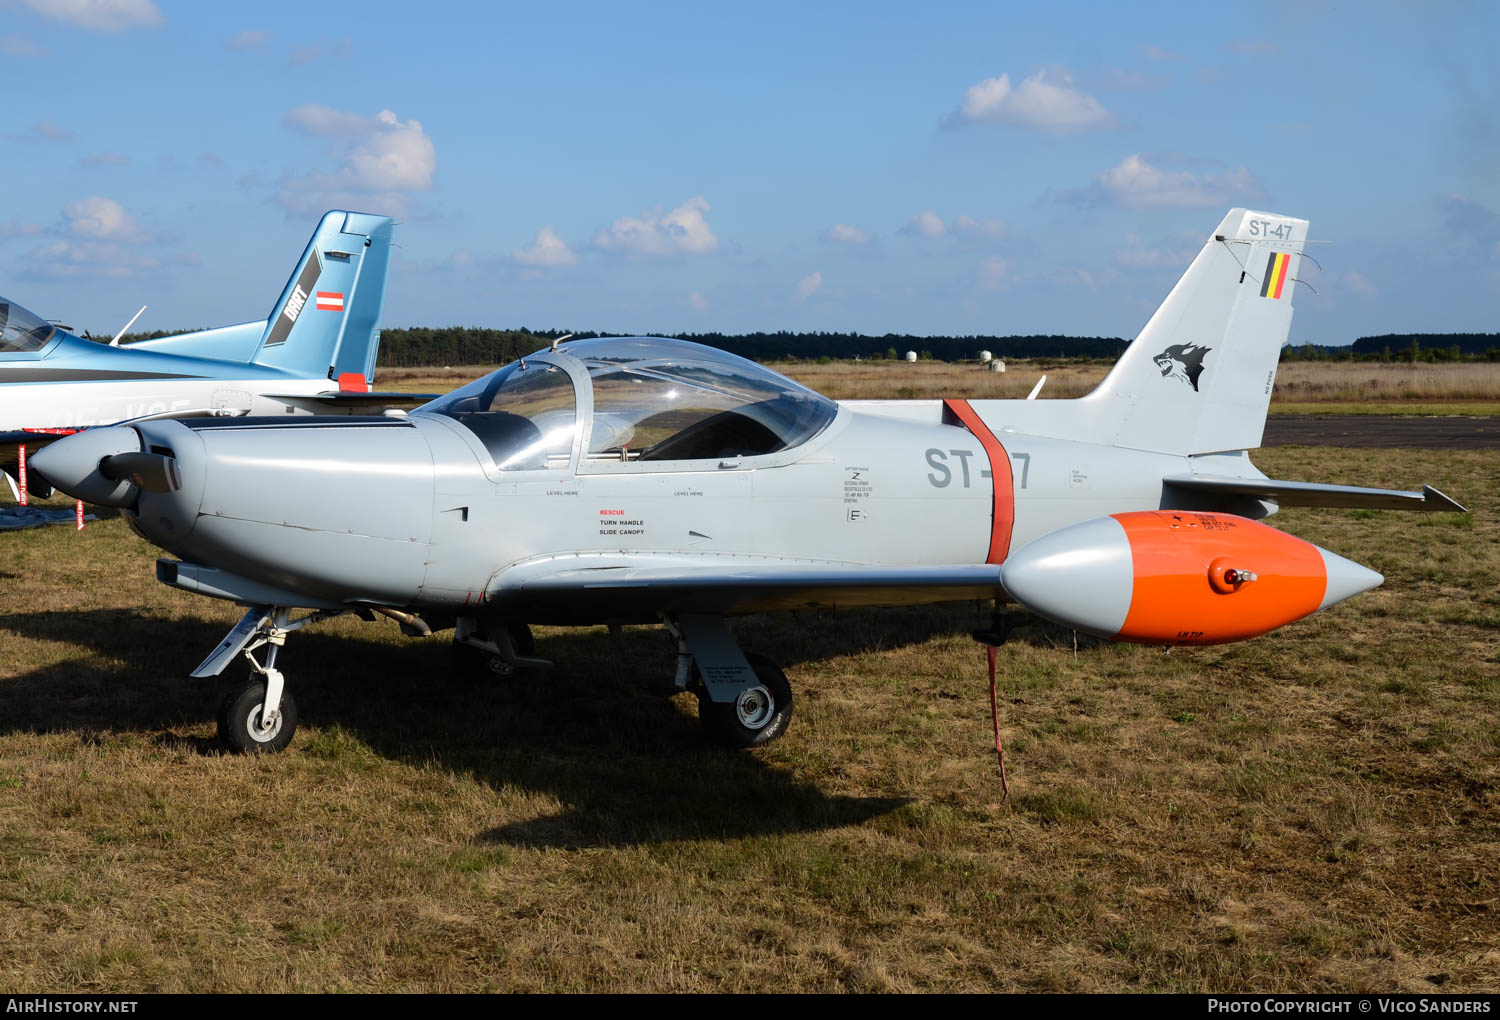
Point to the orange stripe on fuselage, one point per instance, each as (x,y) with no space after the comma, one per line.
(1173,554)
(1003,512)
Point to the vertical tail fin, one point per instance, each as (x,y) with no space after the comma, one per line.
(1198,377)
(324,323)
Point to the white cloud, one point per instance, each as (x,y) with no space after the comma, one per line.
(808,285)
(926,224)
(1132,81)
(683,231)
(548,250)
(1047,101)
(14,227)
(842,233)
(1253,48)
(78,259)
(1159,54)
(249,39)
(18,46)
(44,130)
(968,226)
(1173,252)
(102,219)
(314,51)
(1360,284)
(930,224)
(381,158)
(993,274)
(109,158)
(698,301)
(1138,184)
(100,15)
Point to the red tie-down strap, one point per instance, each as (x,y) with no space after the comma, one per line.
(1003,514)
(1002,522)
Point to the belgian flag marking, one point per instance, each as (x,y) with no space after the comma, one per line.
(1275,274)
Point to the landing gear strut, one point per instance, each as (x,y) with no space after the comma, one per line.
(258,716)
(482,652)
(743,700)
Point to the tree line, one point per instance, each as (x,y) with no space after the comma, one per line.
(429,347)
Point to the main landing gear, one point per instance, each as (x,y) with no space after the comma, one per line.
(743,700)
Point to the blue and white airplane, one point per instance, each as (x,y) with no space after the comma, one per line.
(314,354)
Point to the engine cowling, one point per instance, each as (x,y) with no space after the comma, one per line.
(1173,577)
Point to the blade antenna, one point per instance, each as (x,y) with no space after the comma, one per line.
(123,329)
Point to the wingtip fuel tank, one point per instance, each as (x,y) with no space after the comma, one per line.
(1163,577)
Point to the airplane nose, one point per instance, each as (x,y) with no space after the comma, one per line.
(77,465)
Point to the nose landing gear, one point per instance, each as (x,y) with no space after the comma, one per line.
(258,716)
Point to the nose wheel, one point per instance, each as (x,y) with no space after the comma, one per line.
(245,726)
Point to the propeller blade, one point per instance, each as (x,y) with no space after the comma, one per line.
(150,471)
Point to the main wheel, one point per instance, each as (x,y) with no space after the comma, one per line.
(470,663)
(757,716)
(240,720)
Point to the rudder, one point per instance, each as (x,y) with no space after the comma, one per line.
(324,322)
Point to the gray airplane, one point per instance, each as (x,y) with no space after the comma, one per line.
(640,480)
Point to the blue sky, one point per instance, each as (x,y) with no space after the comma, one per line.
(934,169)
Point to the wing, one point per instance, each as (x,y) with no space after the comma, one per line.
(628,587)
(1316,493)
(352,401)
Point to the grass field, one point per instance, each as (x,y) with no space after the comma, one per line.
(1466,388)
(1315,810)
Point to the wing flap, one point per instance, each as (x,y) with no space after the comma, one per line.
(1317,494)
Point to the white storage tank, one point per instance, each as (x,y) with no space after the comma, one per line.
(986,357)
(911,355)
(997,366)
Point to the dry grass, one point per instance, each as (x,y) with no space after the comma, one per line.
(1314,810)
(1365,388)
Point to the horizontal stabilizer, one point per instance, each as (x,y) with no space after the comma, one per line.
(1317,494)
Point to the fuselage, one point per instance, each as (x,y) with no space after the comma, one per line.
(431,511)
(77,383)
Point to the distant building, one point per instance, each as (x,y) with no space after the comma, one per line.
(911,355)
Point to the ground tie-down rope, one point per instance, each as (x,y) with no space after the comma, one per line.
(995,719)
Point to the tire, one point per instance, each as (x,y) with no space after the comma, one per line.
(476,664)
(754,719)
(239,720)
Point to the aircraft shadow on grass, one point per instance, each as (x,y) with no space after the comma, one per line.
(601,732)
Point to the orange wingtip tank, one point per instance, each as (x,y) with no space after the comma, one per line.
(1175,577)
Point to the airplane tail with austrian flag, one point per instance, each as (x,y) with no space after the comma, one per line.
(327,318)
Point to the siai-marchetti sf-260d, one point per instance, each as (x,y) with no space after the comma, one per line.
(638,479)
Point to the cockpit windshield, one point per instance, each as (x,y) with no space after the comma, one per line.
(666,400)
(523,413)
(21,331)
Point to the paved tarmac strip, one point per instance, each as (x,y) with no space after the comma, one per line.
(1382,430)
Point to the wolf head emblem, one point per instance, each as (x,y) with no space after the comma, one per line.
(1182,361)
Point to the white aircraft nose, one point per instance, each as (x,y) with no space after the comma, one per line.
(1346,578)
(72,465)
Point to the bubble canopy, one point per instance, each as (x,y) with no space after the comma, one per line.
(653,400)
(21,331)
